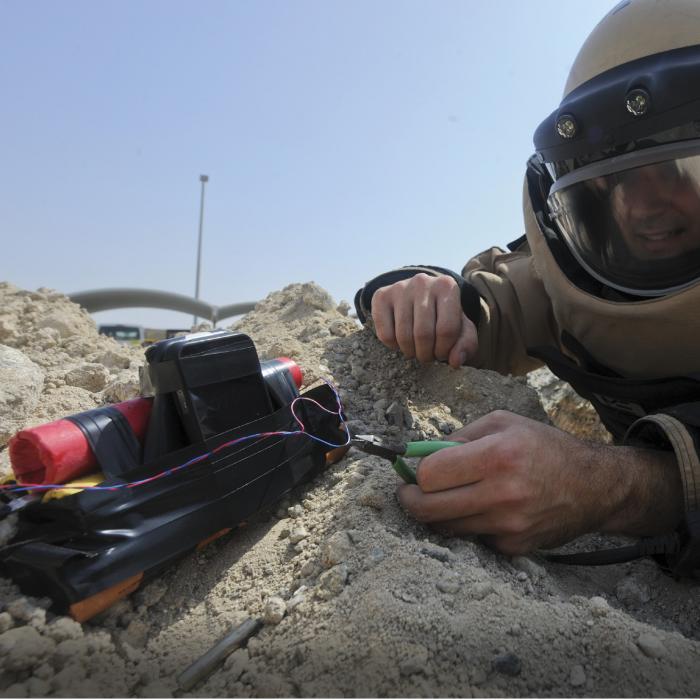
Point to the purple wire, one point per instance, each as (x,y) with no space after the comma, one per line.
(202,457)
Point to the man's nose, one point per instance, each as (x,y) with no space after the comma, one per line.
(645,197)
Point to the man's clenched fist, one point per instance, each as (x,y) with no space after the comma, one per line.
(422,317)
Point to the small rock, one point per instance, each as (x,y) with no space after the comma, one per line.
(448,585)
(336,549)
(358,371)
(332,582)
(436,552)
(632,593)
(531,568)
(309,568)
(23,647)
(67,324)
(21,384)
(63,628)
(121,389)
(371,497)
(295,601)
(298,534)
(380,405)
(338,327)
(24,611)
(5,622)
(295,511)
(577,676)
(398,415)
(376,554)
(137,633)
(507,664)
(153,593)
(522,576)
(90,376)
(255,647)
(275,610)
(413,660)
(651,645)
(406,596)
(112,358)
(599,606)
(481,589)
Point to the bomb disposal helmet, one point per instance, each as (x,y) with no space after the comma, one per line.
(623,149)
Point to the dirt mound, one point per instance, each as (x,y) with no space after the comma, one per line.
(359,600)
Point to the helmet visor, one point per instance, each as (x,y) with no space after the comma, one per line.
(634,222)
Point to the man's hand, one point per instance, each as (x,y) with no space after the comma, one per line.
(422,316)
(524,485)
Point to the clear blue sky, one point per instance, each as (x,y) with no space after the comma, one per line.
(341,138)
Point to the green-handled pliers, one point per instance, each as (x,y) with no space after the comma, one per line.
(395,452)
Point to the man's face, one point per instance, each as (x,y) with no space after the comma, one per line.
(657,209)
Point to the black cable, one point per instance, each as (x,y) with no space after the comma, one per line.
(647,546)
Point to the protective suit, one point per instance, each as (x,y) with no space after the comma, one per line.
(604,287)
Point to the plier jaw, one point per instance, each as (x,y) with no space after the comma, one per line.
(395,452)
(373,445)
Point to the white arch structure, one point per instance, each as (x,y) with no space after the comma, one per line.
(125,297)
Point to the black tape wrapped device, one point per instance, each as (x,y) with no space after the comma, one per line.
(204,384)
(211,393)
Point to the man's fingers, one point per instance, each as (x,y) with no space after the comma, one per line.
(383,317)
(479,524)
(403,326)
(424,327)
(490,424)
(443,505)
(448,322)
(467,344)
(423,318)
(457,466)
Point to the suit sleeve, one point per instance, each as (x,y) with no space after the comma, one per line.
(515,312)
(501,293)
(677,428)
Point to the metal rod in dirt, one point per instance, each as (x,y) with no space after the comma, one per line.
(203,179)
(205,664)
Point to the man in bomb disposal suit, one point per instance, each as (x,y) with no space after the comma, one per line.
(604,288)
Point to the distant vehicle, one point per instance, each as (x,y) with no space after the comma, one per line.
(129,335)
(137,335)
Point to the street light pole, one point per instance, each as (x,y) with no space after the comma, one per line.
(203,179)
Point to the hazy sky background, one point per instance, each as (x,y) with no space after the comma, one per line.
(341,139)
